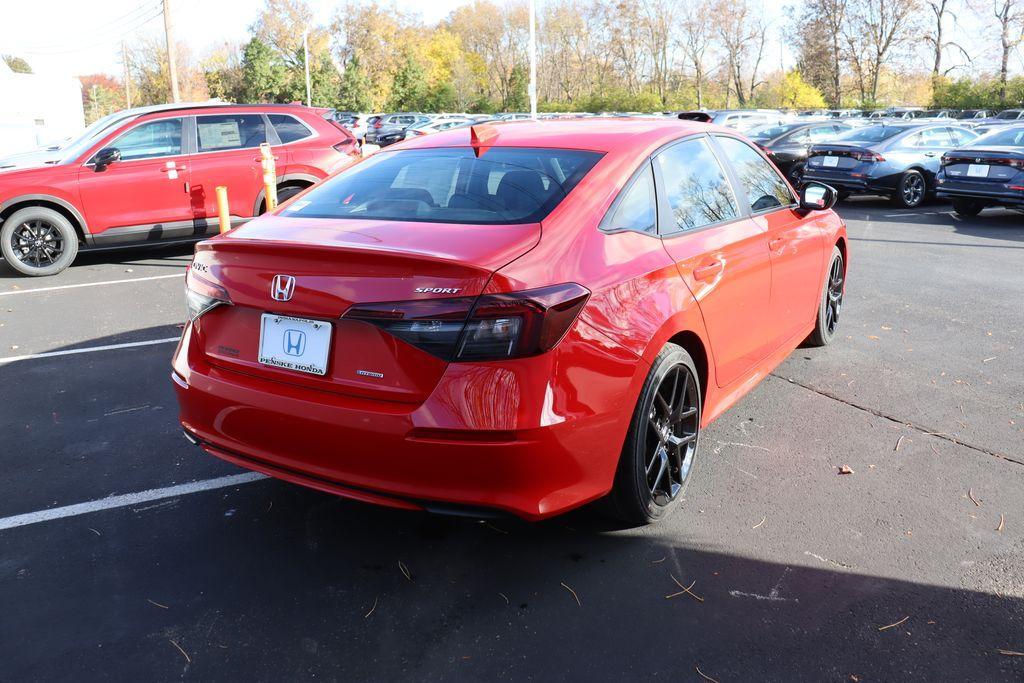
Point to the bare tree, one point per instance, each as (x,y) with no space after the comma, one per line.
(1010,16)
(656,30)
(876,32)
(742,35)
(696,42)
(936,37)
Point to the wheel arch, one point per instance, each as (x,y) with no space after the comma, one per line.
(59,205)
(302,180)
(694,346)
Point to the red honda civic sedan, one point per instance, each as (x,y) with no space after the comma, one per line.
(519,317)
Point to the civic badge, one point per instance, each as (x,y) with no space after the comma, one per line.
(282,287)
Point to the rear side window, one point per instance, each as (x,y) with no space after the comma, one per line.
(504,185)
(230,131)
(148,140)
(765,188)
(289,128)
(930,137)
(636,207)
(695,185)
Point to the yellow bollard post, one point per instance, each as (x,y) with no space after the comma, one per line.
(269,176)
(222,208)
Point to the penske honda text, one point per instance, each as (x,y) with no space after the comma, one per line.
(508,318)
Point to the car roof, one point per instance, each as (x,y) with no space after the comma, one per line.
(186,109)
(595,134)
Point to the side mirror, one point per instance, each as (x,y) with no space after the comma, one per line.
(106,156)
(817,197)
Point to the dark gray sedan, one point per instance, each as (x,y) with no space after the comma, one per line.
(898,159)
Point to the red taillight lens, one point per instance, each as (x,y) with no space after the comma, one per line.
(202,295)
(486,328)
(867,156)
(378,124)
(345,146)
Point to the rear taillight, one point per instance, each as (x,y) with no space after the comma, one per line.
(378,124)
(345,146)
(486,328)
(1012,163)
(867,156)
(201,295)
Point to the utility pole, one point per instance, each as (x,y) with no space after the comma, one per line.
(305,62)
(127,77)
(533,60)
(172,66)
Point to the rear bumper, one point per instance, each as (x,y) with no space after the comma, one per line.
(510,437)
(992,196)
(853,185)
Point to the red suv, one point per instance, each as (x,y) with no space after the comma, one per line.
(152,178)
(520,316)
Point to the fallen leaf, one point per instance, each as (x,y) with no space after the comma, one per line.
(845,469)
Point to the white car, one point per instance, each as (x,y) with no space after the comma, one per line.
(433,126)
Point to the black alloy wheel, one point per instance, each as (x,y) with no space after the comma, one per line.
(834,300)
(660,452)
(670,439)
(912,190)
(37,243)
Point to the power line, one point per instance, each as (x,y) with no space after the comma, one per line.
(80,47)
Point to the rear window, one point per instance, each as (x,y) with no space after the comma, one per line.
(871,134)
(1002,137)
(504,185)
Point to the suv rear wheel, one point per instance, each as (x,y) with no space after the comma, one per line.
(38,241)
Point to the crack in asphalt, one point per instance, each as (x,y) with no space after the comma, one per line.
(885,416)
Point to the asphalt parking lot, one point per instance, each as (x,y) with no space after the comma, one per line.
(910,568)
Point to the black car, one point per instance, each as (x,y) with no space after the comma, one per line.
(787,143)
(390,128)
(987,172)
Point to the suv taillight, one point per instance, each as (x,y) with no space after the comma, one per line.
(378,124)
(201,295)
(485,328)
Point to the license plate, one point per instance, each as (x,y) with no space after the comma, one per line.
(977,171)
(830,161)
(295,343)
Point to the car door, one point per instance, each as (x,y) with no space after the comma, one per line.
(720,253)
(227,153)
(795,243)
(925,149)
(145,194)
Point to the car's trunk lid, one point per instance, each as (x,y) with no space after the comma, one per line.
(338,263)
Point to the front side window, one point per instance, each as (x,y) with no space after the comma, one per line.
(288,128)
(696,186)
(637,207)
(765,188)
(504,185)
(152,139)
(230,131)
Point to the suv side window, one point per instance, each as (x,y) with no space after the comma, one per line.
(152,139)
(636,207)
(230,131)
(765,188)
(697,190)
(288,128)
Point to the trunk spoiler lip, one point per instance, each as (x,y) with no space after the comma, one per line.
(701,116)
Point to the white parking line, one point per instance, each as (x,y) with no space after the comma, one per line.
(128,499)
(89,284)
(90,349)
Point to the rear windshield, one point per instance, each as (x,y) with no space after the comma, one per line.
(1001,137)
(871,134)
(503,185)
(770,132)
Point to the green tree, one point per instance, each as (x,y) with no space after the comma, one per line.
(518,97)
(793,92)
(263,75)
(409,87)
(17,64)
(324,80)
(355,88)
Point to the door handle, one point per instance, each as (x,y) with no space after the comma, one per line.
(708,271)
(931,154)
(168,169)
(776,243)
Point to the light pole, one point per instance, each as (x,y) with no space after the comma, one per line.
(533,60)
(305,62)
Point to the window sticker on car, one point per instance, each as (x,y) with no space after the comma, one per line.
(219,134)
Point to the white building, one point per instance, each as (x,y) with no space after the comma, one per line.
(37,110)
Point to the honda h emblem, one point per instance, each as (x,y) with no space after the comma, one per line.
(294,342)
(282,288)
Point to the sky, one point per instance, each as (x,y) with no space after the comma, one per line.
(72,37)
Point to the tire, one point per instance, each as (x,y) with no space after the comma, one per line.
(796,174)
(831,302)
(911,190)
(38,241)
(842,196)
(283,194)
(967,208)
(662,442)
